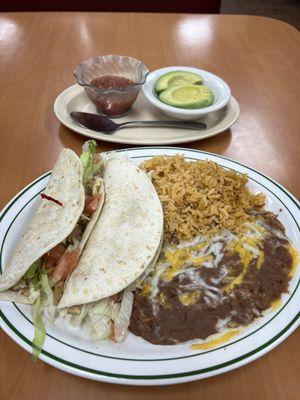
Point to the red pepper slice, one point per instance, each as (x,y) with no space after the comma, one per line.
(45,196)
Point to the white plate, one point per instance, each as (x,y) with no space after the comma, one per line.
(75,99)
(136,361)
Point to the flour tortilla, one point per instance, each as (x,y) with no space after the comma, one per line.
(51,223)
(125,239)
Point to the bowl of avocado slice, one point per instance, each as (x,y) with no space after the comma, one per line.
(186,93)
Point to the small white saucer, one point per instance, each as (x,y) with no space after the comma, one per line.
(75,99)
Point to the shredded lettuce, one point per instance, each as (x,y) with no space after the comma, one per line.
(31,273)
(39,330)
(103,319)
(45,285)
(37,279)
(97,185)
(99,319)
(34,291)
(99,328)
(75,318)
(90,165)
(122,320)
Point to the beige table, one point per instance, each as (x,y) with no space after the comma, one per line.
(260,60)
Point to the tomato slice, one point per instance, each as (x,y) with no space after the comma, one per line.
(65,265)
(91,204)
(55,253)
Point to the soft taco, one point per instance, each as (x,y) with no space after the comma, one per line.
(123,245)
(50,248)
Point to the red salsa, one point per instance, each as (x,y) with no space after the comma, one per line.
(112,82)
(116,102)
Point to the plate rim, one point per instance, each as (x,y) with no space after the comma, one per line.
(159,379)
(115,139)
(105,376)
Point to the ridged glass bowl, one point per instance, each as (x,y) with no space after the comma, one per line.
(113,102)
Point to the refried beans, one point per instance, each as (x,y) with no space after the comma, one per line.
(201,287)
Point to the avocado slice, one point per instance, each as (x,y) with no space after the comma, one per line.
(177,78)
(189,96)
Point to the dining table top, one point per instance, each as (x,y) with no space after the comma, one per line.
(260,60)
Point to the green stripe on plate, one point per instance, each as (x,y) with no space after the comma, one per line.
(156,377)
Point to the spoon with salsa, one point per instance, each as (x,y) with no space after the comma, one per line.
(100,123)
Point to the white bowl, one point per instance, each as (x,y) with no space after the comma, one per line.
(219,88)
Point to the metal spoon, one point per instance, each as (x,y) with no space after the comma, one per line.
(100,123)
